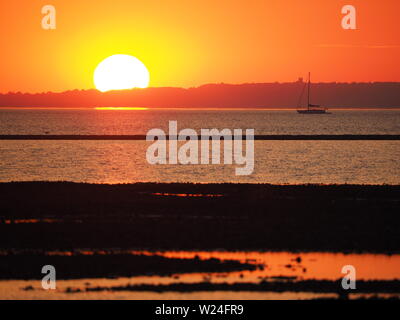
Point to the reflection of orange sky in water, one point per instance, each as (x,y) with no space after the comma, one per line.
(313,265)
(318,265)
(120,108)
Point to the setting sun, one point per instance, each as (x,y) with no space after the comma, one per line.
(120,72)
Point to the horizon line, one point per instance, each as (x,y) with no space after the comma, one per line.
(199,86)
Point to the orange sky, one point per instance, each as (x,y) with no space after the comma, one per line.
(189,43)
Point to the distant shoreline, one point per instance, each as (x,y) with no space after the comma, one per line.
(249,95)
(195,109)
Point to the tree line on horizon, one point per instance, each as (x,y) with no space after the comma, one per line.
(257,95)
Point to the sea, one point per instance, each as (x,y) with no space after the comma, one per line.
(275,162)
(124,161)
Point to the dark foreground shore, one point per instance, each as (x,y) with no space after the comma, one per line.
(25,266)
(66,216)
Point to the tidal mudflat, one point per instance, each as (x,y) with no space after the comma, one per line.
(198,240)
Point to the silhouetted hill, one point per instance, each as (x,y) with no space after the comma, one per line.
(269,95)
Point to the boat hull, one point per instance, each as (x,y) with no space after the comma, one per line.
(312,111)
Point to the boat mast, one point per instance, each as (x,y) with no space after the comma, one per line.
(308,94)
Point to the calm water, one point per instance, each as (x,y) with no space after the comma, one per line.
(29,121)
(277,266)
(367,162)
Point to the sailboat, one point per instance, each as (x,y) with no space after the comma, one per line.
(311,108)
